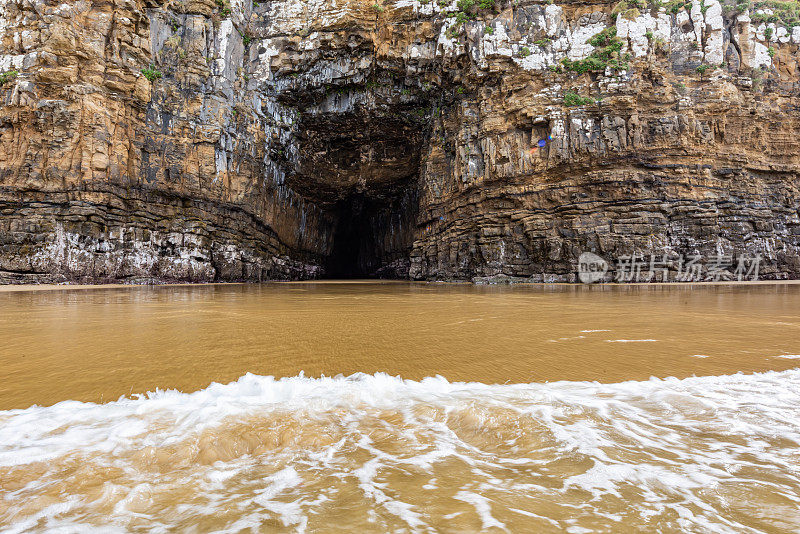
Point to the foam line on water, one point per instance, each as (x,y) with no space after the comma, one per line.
(291,450)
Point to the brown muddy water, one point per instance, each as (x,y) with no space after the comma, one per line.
(375,407)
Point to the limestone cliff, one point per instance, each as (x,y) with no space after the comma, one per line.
(286,139)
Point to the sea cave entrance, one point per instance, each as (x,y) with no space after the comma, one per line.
(371,238)
(352,255)
(361,167)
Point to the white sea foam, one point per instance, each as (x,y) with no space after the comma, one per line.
(697,454)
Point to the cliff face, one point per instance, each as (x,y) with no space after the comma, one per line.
(203,140)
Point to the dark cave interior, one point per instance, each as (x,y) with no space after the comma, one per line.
(353,254)
(372,237)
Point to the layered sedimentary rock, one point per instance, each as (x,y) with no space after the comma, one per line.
(202,140)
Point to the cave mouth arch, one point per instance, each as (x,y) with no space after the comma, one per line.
(362,169)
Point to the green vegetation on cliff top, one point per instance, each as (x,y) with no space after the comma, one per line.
(574,99)
(606,54)
(784,13)
(8,76)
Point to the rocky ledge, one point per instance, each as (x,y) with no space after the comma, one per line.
(203,140)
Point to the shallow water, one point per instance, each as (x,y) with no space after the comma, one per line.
(462,452)
(99,344)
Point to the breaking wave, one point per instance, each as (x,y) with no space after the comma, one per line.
(376,453)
